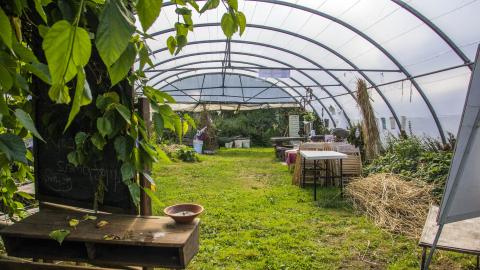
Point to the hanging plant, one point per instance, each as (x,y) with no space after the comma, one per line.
(78,56)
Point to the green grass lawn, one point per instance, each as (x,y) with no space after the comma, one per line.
(255,219)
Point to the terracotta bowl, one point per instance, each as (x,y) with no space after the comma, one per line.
(183,213)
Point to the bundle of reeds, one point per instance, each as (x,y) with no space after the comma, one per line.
(394,203)
(371,135)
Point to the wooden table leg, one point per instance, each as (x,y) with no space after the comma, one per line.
(315,180)
(303,173)
(341,177)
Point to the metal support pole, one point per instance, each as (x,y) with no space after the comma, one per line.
(434,246)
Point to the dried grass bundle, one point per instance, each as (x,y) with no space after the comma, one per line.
(371,135)
(394,203)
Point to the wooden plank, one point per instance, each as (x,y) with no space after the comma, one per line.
(133,230)
(27,265)
(462,236)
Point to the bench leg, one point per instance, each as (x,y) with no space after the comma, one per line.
(424,257)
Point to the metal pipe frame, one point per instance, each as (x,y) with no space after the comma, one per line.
(338,55)
(368,39)
(288,52)
(262,57)
(246,75)
(284,68)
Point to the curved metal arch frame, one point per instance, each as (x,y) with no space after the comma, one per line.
(288,52)
(281,81)
(259,56)
(337,54)
(255,64)
(368,39)
(250,76)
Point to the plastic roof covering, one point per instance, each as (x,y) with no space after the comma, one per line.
(409,38)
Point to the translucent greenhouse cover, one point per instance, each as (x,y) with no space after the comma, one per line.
(416,57)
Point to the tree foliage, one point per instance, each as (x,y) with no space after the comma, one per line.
(81,53)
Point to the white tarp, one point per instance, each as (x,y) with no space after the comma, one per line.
(461,198)
(274,73)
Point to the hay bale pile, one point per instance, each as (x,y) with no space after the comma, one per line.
(394,203)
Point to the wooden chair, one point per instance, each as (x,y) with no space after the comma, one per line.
(352,165)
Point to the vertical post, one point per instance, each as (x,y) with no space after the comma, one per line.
(145,201)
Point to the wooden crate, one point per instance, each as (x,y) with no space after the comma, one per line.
(144,241)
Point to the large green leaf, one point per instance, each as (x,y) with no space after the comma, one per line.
(6,32)
(228,25)
(104,126)
(122,147)
(59,235)
(152,196)
(211,4)
(6,80)
(59,93)
(158,123)
(66,47)
(134,189)
(24,53)
(242,22)
(233,4)
(123,65)
(114,31)
(27,122)
(13,147)
(83,96)
(148,11)
(127,170)
(98,141)
(124,112)
(40,70)
(40,11)
(171,44)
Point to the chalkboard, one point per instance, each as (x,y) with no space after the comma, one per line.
(57,180)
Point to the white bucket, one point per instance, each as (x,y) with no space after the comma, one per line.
(197,146)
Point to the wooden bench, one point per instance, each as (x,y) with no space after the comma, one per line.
(141,240)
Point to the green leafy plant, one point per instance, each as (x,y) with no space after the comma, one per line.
(79,55)
(413,157)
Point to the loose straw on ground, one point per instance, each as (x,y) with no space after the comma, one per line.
(395,204)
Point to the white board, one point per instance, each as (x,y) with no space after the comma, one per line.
(293,125)
(461,199)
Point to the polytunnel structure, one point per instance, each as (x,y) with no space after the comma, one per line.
(416,57)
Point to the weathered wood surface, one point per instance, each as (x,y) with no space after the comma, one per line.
(6,264)
(142,241)
(132,230)
(462,236)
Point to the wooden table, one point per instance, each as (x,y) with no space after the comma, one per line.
(142,240)
(316,156)
(462,236)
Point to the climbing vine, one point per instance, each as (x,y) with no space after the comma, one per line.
(80,56)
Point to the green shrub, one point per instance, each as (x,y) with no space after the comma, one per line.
(181,152)
(414,158)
